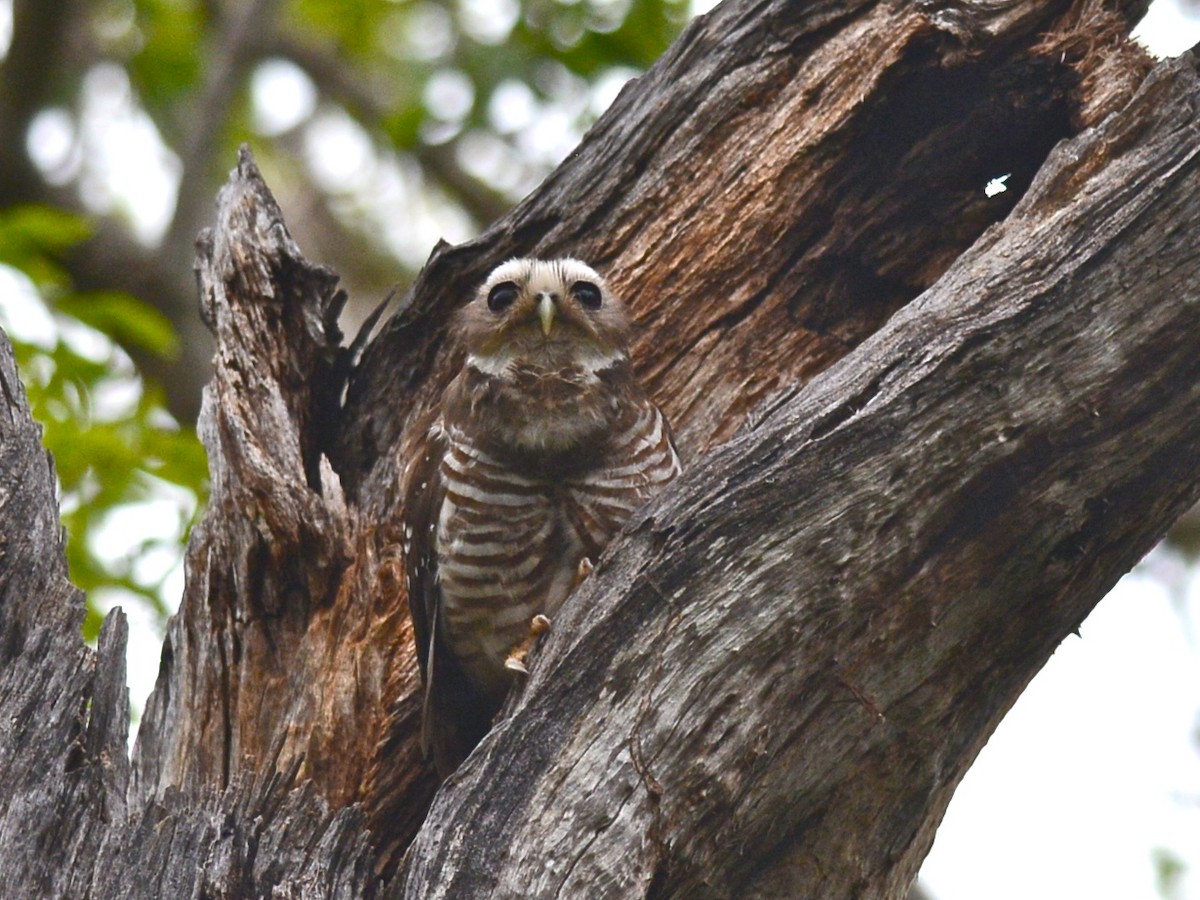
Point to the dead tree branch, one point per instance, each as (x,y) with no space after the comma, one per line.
(927,430)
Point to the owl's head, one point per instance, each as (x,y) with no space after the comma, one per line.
(546,313)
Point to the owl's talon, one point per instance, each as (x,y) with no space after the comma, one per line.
(538,626)
(584,570)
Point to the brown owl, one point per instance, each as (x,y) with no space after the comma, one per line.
(544,445)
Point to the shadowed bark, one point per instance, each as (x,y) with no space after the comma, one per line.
(926,430)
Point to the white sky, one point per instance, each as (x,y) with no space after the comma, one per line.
(1095,770)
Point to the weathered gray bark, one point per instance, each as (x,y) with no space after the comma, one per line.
(66,827)
(775,686)
(773,683)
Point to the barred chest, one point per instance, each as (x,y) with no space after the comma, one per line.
(509,543)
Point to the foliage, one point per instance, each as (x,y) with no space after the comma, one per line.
(1169,871)
(474,100)
(114,445)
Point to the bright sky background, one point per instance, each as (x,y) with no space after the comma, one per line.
(1096,769)
(1094,773)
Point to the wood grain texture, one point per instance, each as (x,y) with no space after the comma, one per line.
(278,656)
(779,184)
(63,718)
(781,181)
(926,430)
(776,684)
(69,824)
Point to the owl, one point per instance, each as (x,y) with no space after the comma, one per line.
(543,445)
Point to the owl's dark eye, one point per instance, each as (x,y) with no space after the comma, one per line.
(502,296)
(587,294)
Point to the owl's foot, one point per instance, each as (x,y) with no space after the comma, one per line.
(538,626)
(584,570)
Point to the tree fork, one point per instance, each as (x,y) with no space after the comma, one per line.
(926,429)
(775,684)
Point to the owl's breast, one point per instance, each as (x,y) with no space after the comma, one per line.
(506,552)
(509,542)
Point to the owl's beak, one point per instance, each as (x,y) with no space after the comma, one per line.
(546,313)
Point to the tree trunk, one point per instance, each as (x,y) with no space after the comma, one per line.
(925,431)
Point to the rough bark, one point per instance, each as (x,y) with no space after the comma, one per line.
(926,431)
(65,824)
(815,633)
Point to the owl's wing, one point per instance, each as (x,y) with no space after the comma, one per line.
(423,495)
(453,717)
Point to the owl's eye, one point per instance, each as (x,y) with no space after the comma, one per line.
(587,294)
(502,296)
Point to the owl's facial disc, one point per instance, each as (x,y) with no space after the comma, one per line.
(548,314)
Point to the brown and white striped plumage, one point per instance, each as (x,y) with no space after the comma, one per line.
(543,447)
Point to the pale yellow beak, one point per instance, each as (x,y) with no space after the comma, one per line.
(546,313)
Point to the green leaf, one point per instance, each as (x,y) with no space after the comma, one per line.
(128,321)
(1169,871)
(45,228)
(33,237)
(169,62)
(108,456)
(352,24)
(92,620)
